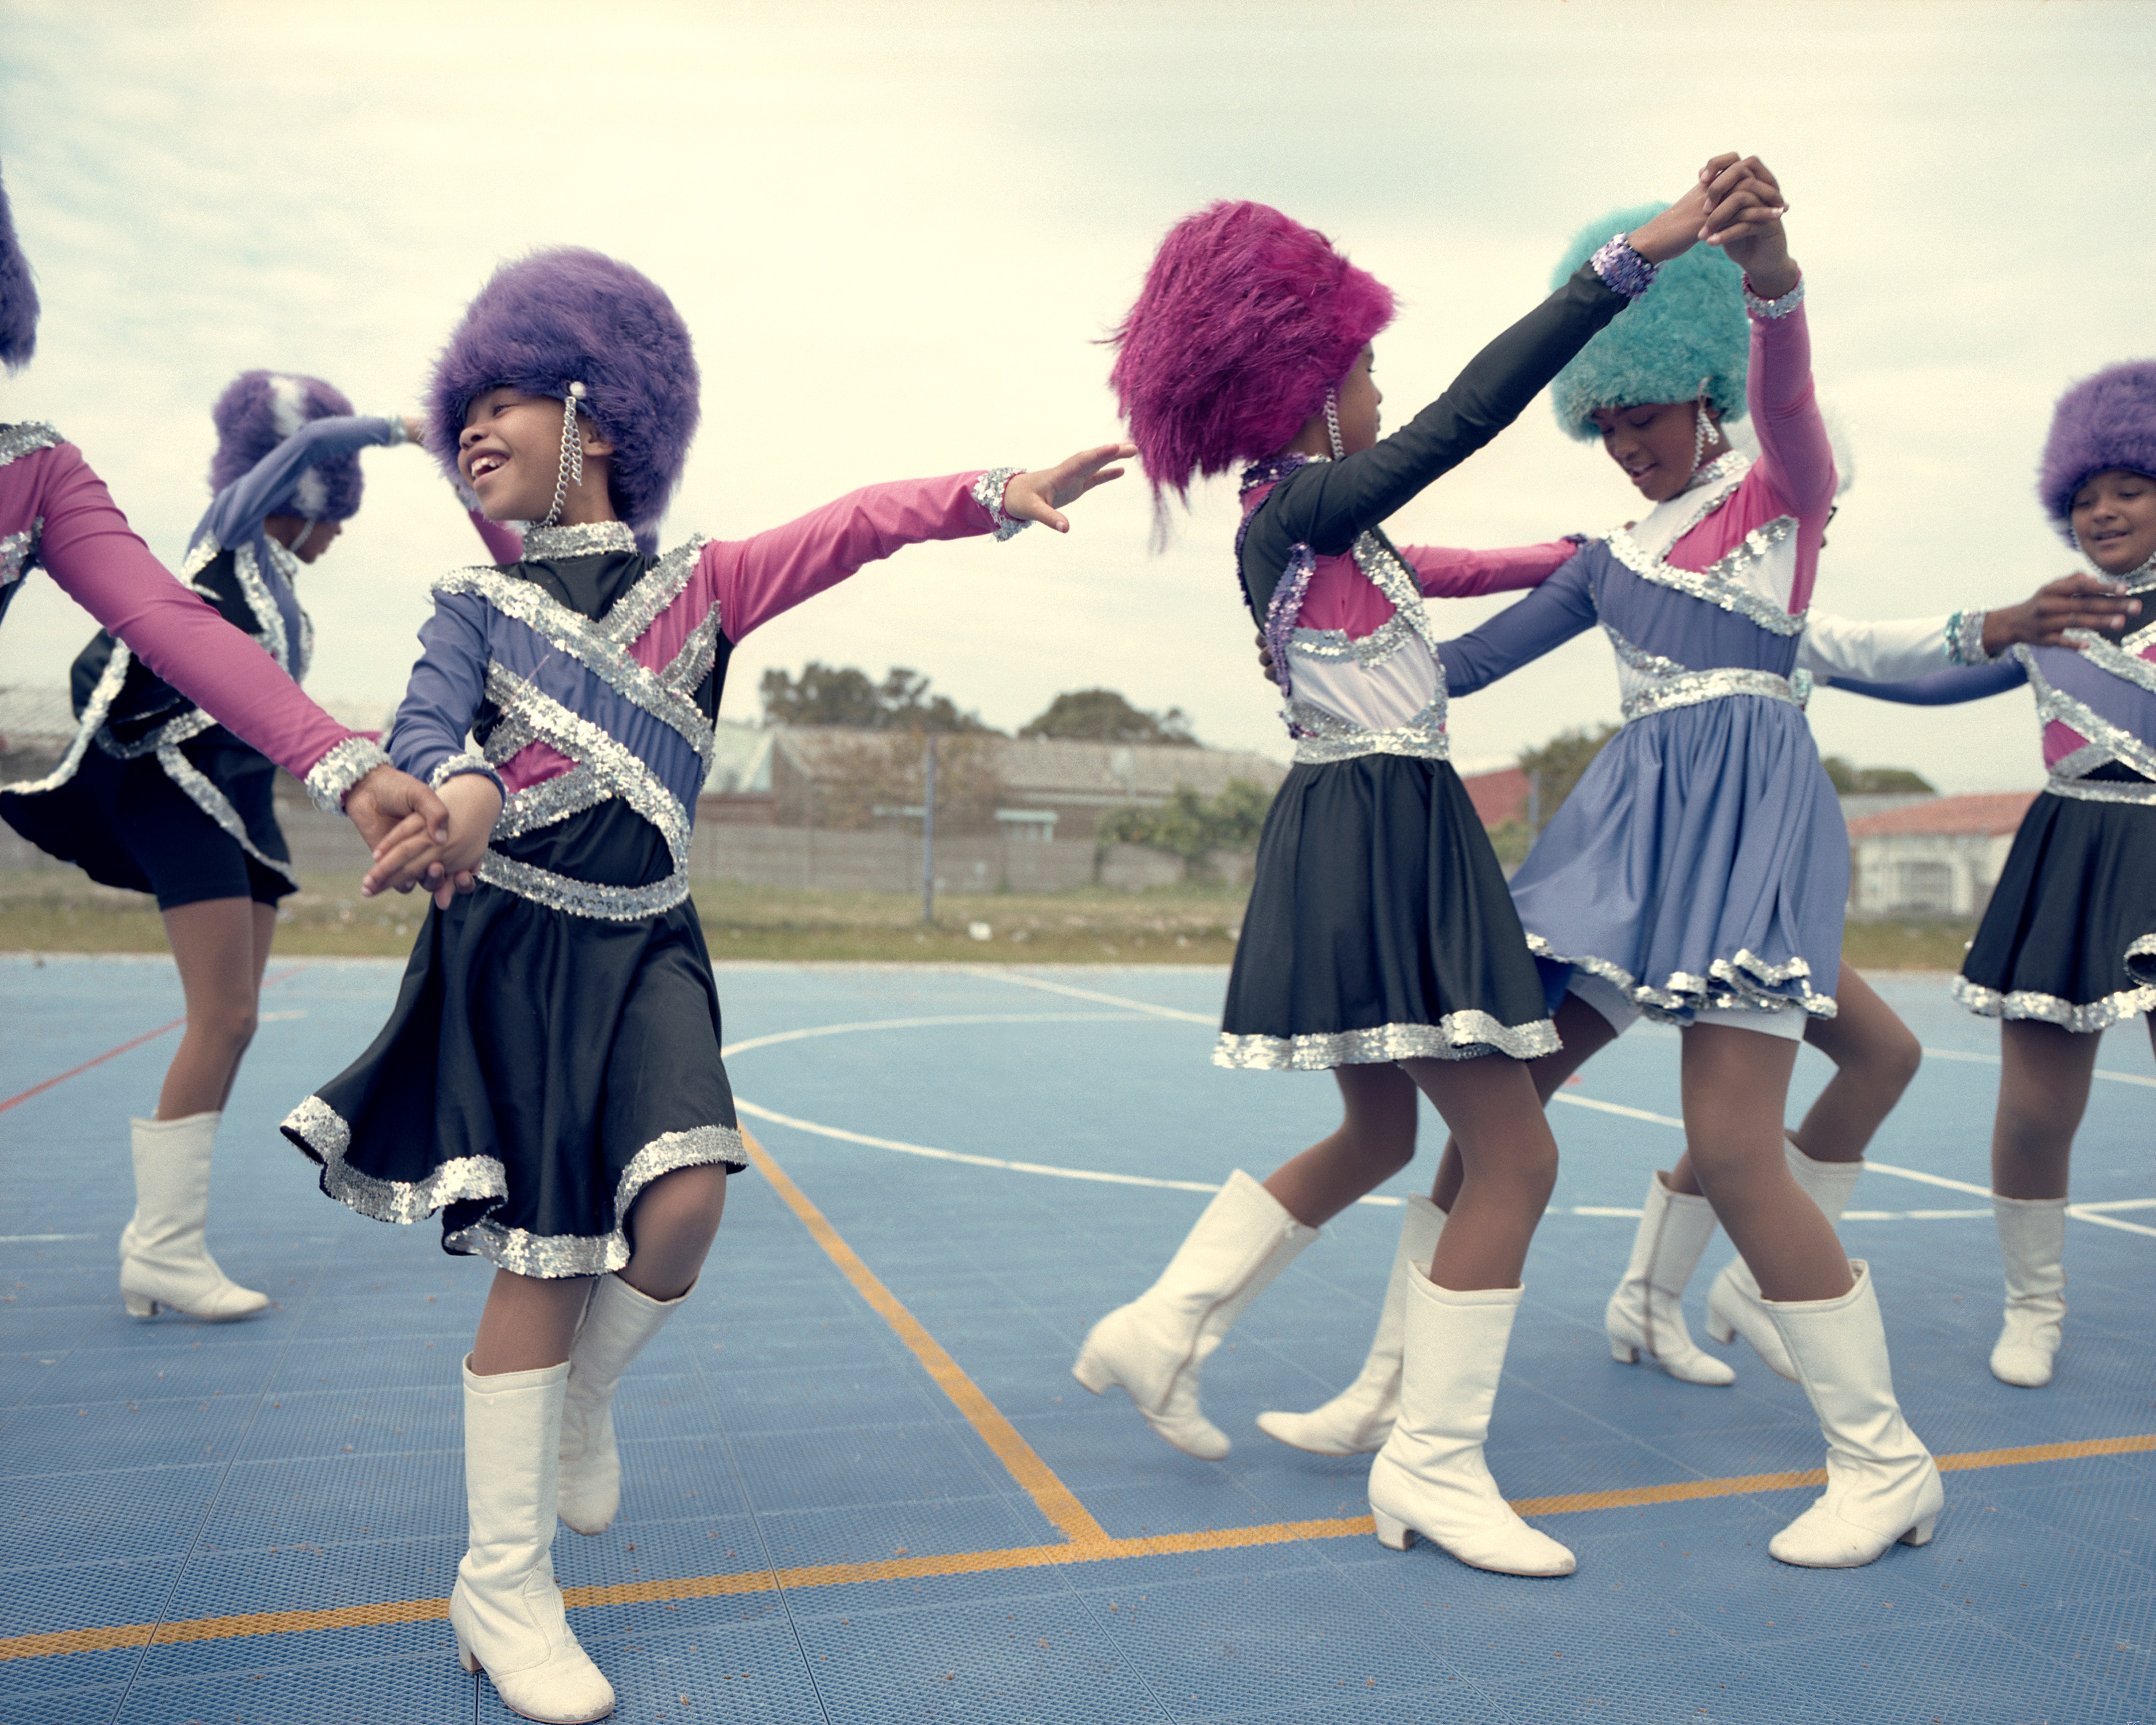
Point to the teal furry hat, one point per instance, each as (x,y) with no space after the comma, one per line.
(1689,326)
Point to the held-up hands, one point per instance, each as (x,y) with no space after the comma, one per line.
(2071,602)
(1040,495)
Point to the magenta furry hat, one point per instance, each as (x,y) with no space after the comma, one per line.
(18,295)
(571,316)
(257,411)
(1245,320)
(2108,420)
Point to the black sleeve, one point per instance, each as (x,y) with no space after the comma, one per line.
(1327,503)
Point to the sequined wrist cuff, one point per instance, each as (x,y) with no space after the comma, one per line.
(330,780)
(458,765)
(988,493)
(1773,308)
(1965,640)
(1624,271)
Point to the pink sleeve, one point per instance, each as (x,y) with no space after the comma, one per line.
(753,581)
(503,545)
(1448,573)
(100,562)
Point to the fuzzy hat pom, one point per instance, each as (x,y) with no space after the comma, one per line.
(18,295)
(573,315)
(1245,320)
(2108,420)
(257,411)
(1689,326)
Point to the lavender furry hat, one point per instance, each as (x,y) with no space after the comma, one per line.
(572,315)
(257,411)
(18,295)
(2108,420)
(1689,326)
(1245,320)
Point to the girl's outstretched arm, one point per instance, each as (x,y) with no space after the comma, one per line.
(1561,608)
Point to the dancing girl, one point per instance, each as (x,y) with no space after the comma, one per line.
(550,1078)
(1379,942)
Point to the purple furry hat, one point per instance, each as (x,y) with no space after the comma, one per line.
(571,316)
(257,411)
(2108,420)
(1245,320)
(18,295)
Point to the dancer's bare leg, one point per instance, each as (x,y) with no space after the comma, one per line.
(1875,1057)
(1375,1140)
(1736,1084)
(222,947)
(1585,1032)
(2044,1080)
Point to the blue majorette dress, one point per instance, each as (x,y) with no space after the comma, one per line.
(2069,937)
(1379,928)
(153,794)
(555,1046)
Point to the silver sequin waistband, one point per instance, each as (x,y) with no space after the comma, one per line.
(1691,688)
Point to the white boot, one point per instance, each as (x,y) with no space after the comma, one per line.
(1431,1478)
(162,1259)
(2032,1245)
(1646,1313)
(1882,1484)
(617,1324)
(1157,1346)
(506,1610)
(1734,1306)
(1358,1421)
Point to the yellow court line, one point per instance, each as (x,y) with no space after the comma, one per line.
(979,1563)
(1053,1499)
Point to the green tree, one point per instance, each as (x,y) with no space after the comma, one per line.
(1103,716)
(841,695)
(1849,780)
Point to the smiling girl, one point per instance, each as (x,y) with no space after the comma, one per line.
(550,1078)
(2067,945)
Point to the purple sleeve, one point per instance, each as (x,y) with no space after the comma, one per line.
(443,698)
(754,580)
(241,506)
(98,561)
(1945,688)
(504,544)
(1561,608)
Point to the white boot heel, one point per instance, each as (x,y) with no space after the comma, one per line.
(1645,1315)
(1431,1478)
(1156,1347)
(1358,1421)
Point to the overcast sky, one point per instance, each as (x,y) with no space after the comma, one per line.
(897,233)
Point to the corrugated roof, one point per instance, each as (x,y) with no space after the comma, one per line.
(1989,814)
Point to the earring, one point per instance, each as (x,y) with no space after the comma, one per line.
(1333,424)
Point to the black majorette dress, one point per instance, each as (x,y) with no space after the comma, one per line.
(555,1046)
(153,794)
(2069,937)
(1379,928)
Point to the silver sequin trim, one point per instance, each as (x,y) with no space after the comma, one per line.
(601,648)
(588,540)
(2030,1003)
(988,492)
(1774,308)
(202,792)
(552,1257)
(1717,583)
(1693,688)
(1461,1036)
(330,780)
(18,553)
(328,1134)
(1965,640)
(1745,982)
(32,435)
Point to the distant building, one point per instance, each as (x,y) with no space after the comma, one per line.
(1939,856)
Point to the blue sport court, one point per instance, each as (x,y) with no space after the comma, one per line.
(861,1485)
